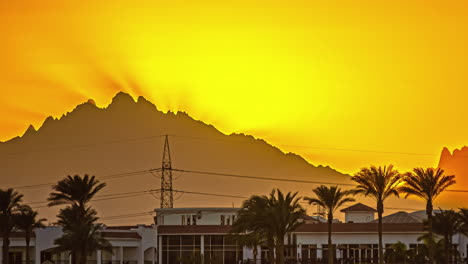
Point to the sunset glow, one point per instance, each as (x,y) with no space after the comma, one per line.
(340,83)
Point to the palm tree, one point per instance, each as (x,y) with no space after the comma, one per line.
(26,221)
(329,198)
(446,223)
(80,237)
(254,217)
(81,233)
(423,253)
(285,212)
(274,216)
(251,240)
(427,184)
(399,253)
(75,190)
(463,214)
(378,183)
(9,206)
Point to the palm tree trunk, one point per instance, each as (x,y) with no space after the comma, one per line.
(379,213)
(280,249)
(429,223)
(451,251)
(5,247)
(331,251)
(73,257)
(446,249)
(28,239)
(255,252)
(84,257)
(271,250)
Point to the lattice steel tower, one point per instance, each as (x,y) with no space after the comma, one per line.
(167,197)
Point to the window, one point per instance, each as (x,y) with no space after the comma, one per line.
(227,219)
(189,220)
(194,219)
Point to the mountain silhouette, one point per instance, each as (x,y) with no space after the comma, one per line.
(128,136)
(456,163)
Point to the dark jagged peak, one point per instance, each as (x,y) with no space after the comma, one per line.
(241,136)
(91,102)
(89,105)
(170,113)
(295,156)
(122,98)
(142,101)
(463,151)
(49,120)
(30,131)
(446,152)
(182,114)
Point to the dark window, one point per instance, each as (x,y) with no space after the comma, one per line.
(14,257)
(230,257)
(174,257)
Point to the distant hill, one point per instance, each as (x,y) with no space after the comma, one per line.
(126,137)
(456,163)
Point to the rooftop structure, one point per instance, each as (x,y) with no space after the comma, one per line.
(359,213)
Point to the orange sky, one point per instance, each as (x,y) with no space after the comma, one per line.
(336,76)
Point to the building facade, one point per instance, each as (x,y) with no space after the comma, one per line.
(200,235)
(130,245)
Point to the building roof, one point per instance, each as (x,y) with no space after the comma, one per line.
(359,228)
(132,235)
(194,229)
(423,215)
(195,210)
(400,218)
(129,227)
(359,207)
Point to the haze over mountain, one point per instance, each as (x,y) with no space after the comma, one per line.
(127,136)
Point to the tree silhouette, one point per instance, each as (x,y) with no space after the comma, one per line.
(378,183)
(427,184)
(330,199)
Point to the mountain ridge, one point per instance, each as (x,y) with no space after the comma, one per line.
(127,136)
(125,99)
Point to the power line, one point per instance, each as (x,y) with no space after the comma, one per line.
(278,179)
(126,215)
(68,147)
(106,177)
(230,141)
(212,194)
(261,178)
(315,147)
(108,197)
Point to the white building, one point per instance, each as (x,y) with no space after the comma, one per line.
(131,245)
(184,232)
(201,233)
